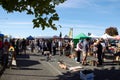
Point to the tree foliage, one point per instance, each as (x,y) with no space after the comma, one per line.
(112,31)
(43,10)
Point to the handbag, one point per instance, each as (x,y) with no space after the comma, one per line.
(14,62)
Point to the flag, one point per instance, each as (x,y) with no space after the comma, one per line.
(71,33)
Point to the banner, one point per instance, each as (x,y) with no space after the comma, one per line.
(70,33)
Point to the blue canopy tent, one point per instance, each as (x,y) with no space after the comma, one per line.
(1,35)
(30,38)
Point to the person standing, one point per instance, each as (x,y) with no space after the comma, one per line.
(17,46)
(99,52)
(32,46)
(38,45)
(79,47)
(60,45)
(24,46)
(6,46)
(54,47)
(72,46)
(1,52)
(103,48)
(85,50)
(11,55)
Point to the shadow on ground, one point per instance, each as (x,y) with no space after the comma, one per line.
(100,74)
(25,61)
(22,56)
(2,70)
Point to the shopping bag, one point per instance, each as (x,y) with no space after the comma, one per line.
(14,62)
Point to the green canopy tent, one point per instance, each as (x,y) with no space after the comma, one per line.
(80,36)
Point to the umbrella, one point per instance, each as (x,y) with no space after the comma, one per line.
(30,38)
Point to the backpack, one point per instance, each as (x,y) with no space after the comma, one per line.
(80,45)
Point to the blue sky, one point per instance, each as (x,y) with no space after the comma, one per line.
(82,15)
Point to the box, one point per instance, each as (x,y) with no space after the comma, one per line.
(87,75)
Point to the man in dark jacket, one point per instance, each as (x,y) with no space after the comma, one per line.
(99,52)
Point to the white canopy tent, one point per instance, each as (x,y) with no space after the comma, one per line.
(106,36)
(94,36)
(44,37)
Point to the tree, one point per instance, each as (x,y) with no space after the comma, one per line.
(43,10)
(112,31)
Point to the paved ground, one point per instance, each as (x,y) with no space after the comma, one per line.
(29,68)
(35,67)
(109,70)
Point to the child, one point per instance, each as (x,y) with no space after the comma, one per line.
(11,55)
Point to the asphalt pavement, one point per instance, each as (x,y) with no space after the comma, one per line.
(108,71)
(29,67)
(34,66)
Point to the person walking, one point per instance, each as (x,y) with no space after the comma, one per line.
(32,46)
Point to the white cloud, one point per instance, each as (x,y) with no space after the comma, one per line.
(99,6)
(83,26)
(19,23)
(75,3)
(110,0)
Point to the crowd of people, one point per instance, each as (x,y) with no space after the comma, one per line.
(21,46)
(97,47)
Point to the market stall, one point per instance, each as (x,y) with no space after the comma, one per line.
(79,37)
